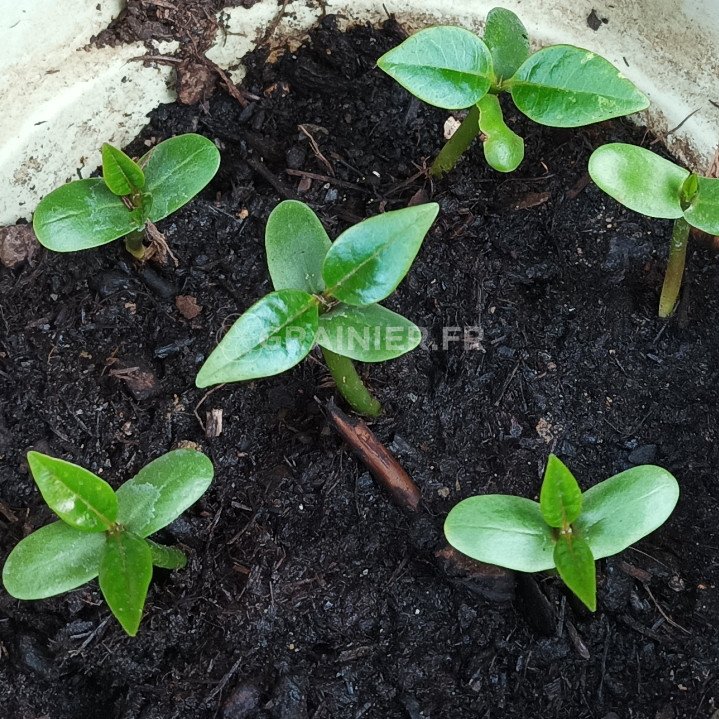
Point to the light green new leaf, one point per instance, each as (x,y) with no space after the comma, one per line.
(575,565)
(503,149)
(507,40)
(55,559)
(367,261)
(81,215)
(273,335)
(704,209)
(639,179)
(122,175)
(566,86)
(176,170)
(162,490)
(503,530)
(368,334)
(296,245)
(560,498)
(445,66)
(77,496)
(621,510)
(166,557)
(125,574)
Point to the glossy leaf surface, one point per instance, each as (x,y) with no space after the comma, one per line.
(704,209)
(640,179)
(575,565)
(296,245)
(503,149)
(561,498)
(162,490)
(77,496)
(367,261)
(122,175)
(273,335)
(368,334)
(125,574)
(566,86)
(503,530)
(54,559)
(445,66)
(81,215)
(507,40)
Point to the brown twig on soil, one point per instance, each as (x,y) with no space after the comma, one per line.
(327,178)
(259,167)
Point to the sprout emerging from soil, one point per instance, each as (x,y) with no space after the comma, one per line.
(567,530)
(326,293)
(559,86)
(104,533)
(647,183)
(128,199)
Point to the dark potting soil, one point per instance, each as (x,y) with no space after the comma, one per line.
(307,593)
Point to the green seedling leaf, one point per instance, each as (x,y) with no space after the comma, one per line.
(703,212)
(503,149)
(273,335)
(77,496)
(503,530)
(639,179)
(575,565)
(162,490)
(176,170)
(368,334)
(166,557)
(508,42)
(621,510)
(367,261)
(566,86)
(122,175)
(52,560)
(125,574)
(445,66)
(81,215)
(296,245)
(560,499)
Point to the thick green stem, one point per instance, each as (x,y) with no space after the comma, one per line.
(134,244)
(166,557)
(457,144)
(350,385)
(675,268)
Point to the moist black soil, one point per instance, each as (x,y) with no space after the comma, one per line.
(307,593)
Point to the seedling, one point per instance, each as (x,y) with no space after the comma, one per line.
(326,293)
(567,530)
(103,532)
(559,86)
(649,184)
(128,199)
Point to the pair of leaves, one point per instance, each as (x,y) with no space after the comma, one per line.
(514,532)
(645,182)
(89,213)
(363,266)
(102,532)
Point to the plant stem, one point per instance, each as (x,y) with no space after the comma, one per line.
(675,268)
(134,244)
(166,557)
(457,144)
(350,385)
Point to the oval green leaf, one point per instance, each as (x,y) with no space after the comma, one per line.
(445,66)
(162,490)
(507,40)
(560,498)
(639,179)
(81,215)
(125,575)
(122,175)
(176,170)
(703,212)
(296,245)
(367,261)
(575,565)
(503,530)
(77,496)
(503,149)
(368,334)
(273,335)
(621,510)
(566,86)
(54,559)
